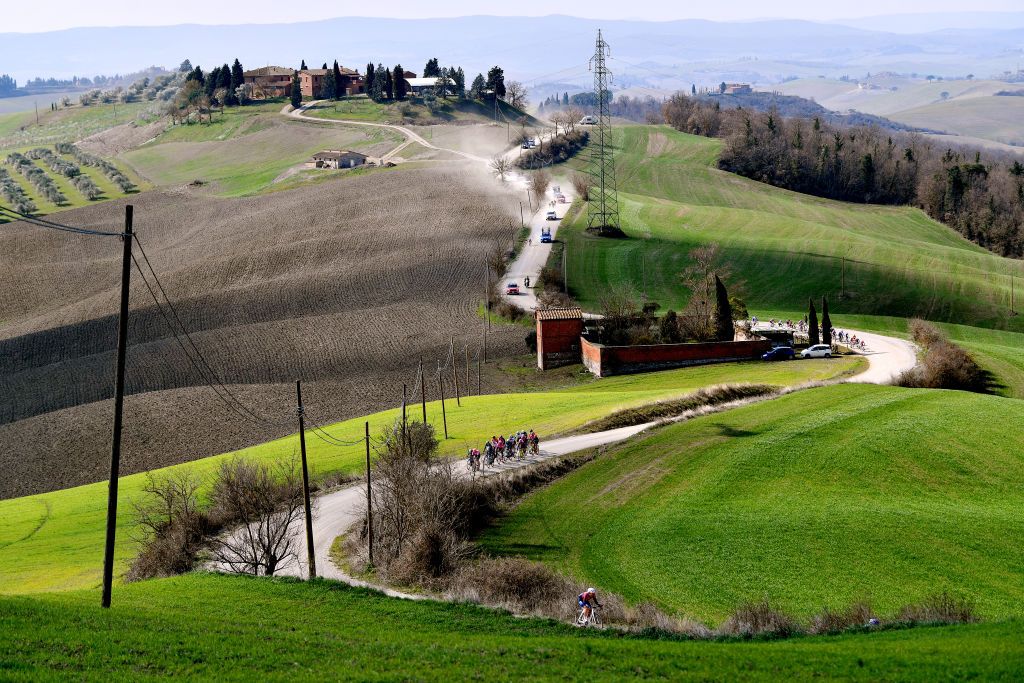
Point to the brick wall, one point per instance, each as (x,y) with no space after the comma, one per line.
(558,343)
(603,360)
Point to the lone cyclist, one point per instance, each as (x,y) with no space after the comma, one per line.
(584,599)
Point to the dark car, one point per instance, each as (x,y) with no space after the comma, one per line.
(779,353)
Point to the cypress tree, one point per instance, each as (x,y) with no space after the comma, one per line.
(476,91)
(330,86)
(565,99)
(723,313)
(812,325)
(296,91)
(212,79)
(339,88)
(398,79)
(432,68)
(826,323)
(303,67)
(389,85)
(369,78)
(237,79)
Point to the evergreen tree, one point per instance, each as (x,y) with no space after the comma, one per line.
(398,81)
(237,75)
(329,89)
(377,90)
(212,79)
(693,89)
(565,99)
(496,81)
(476,91)
(431,69)
(369,77)
(196,75)
(389,85)
(224,83)
(296,91)
(339,89)
(185,67)
(458,82)
(812,325)
(303,67)
(324,66)
(723,313)
(826,323)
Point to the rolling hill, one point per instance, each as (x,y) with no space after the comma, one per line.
(784,247)
(325,630)
(819,498)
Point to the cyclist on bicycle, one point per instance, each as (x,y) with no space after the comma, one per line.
(584,599)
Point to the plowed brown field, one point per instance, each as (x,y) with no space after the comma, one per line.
(344,284)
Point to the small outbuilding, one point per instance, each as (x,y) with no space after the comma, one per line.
(418,85)
(339,159)
(558,336)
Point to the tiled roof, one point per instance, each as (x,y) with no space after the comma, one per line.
(560,314)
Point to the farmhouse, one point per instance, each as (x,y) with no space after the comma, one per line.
(738,89)
(338,159)
(311,82)
(418,85)
(269,81)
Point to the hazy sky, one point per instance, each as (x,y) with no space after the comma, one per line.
(46,15)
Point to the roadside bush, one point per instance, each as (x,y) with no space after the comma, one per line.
(944,365)
(516,584)
(581,184)
(707,396)
(759,619)
(556,150)
(857,615)
(172,526)
(941,608)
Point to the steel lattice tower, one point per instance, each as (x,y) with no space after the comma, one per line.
(603,212)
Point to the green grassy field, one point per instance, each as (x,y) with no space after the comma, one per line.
(49,541)
(816,499)
(212,627)
(247,150)
(66,125)
(785,246)
(413,111)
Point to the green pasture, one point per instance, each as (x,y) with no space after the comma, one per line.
(816,499)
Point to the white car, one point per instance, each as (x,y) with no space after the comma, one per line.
(817,351)
(551,216)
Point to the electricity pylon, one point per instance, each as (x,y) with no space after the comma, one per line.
(603,212)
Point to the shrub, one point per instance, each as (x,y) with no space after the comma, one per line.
(171,526)
(708,396)
(941,608)
(857,615)
(581,184)
(944,366)
(761,618)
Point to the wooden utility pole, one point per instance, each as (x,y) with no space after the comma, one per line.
(565,273)
(423,393)
(369,499)
(115,442)
(522,219)
(404,391)
(440,385)
(455,375)
(469,386)
(311,557)
(487,305)
(478,392)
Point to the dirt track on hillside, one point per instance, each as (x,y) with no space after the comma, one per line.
(344,284)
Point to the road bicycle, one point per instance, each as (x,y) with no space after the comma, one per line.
(594,620)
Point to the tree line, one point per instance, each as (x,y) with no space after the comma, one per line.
(982,197)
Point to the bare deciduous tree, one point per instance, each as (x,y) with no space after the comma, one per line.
(515,94)
(572,117)
(267,502)
(582,183)
(539,181)
(501,165)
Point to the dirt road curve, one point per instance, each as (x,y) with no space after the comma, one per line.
(338,511)
(410,136)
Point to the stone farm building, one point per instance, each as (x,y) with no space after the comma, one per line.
(311,82)
(738,89)
(338,159)
(269,81)
(276,81)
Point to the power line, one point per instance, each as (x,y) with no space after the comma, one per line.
(170,326)
(51,225)
(206,364)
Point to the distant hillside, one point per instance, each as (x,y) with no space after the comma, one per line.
(793,106)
